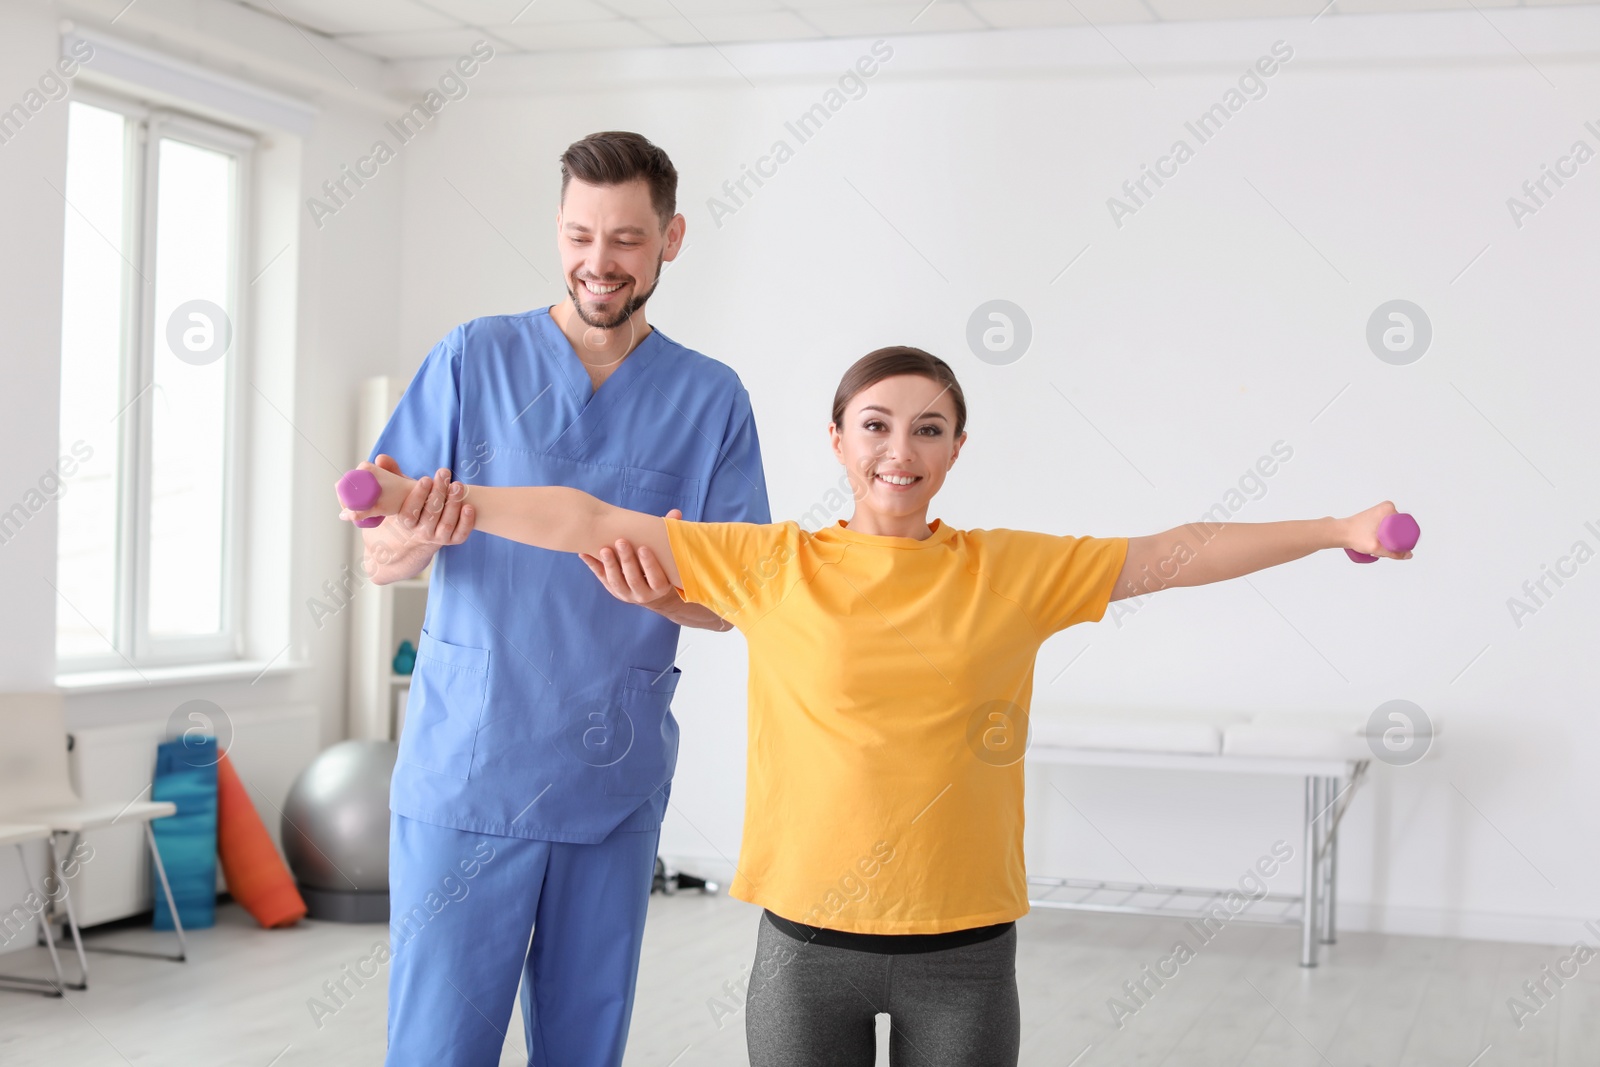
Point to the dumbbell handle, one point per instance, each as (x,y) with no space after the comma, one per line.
(358,490)
(1397,533)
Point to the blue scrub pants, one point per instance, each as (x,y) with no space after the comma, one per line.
(461,908)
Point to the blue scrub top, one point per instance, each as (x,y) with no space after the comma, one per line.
(540,705)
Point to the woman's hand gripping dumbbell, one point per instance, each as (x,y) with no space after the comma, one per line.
(1396,534)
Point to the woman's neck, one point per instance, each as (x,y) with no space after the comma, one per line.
(914,526)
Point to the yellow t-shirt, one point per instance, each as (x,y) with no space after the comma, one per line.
(890,680)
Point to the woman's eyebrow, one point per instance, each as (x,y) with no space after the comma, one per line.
(924,415)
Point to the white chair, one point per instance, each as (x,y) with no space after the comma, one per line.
(35,788)
(19,834)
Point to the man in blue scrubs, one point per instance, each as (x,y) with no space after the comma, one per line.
(539,744)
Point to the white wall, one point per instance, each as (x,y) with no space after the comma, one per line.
(31,232)
(1223,317)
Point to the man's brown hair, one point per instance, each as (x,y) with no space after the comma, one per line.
(616,157)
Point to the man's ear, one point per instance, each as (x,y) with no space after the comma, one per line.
(676,228)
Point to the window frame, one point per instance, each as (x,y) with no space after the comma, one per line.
(131,641)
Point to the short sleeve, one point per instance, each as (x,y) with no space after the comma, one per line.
(738,488)
(421,434)
(1059,581)
(737,569)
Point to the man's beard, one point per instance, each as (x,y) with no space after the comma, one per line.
(622,314)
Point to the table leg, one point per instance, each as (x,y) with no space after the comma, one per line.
(1308,917)
(1329,863)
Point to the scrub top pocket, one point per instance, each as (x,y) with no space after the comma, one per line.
(448,691)
(646,698)
(656,493)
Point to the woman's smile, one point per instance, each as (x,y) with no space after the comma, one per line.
(896,481)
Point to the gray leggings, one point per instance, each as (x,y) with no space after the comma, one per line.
(813,1005)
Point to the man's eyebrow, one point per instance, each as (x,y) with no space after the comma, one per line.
(635,231)
(924,415)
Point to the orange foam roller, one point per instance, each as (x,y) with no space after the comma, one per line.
(256,875)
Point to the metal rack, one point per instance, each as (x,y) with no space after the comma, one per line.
(1313,909)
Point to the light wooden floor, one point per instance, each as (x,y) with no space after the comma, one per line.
(1376,1000)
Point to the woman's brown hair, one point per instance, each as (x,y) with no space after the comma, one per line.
(892,362)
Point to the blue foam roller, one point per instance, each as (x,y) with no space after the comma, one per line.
(186,775)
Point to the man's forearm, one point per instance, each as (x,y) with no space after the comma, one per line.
(389,557)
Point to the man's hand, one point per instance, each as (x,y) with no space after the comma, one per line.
(432,516)
(634,576)
(433,513)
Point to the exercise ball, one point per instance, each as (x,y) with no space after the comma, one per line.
(336,831)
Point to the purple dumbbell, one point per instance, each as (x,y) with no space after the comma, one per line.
(1397,533)
(358,490)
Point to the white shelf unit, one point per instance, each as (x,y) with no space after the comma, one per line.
(382,615)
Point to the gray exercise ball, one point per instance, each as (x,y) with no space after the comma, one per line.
(336,831)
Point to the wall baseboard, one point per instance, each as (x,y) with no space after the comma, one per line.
(1353,916)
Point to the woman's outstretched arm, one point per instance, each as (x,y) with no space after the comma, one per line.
(1199,553)
(547,516)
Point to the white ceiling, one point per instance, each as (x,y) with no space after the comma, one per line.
(418,29)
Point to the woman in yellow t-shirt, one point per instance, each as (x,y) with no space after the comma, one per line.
(891,670)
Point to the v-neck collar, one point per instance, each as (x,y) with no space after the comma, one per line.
(576,376)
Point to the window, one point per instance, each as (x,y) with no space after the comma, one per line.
(150,378)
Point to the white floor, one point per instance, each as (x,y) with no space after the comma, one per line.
(1376,1000)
